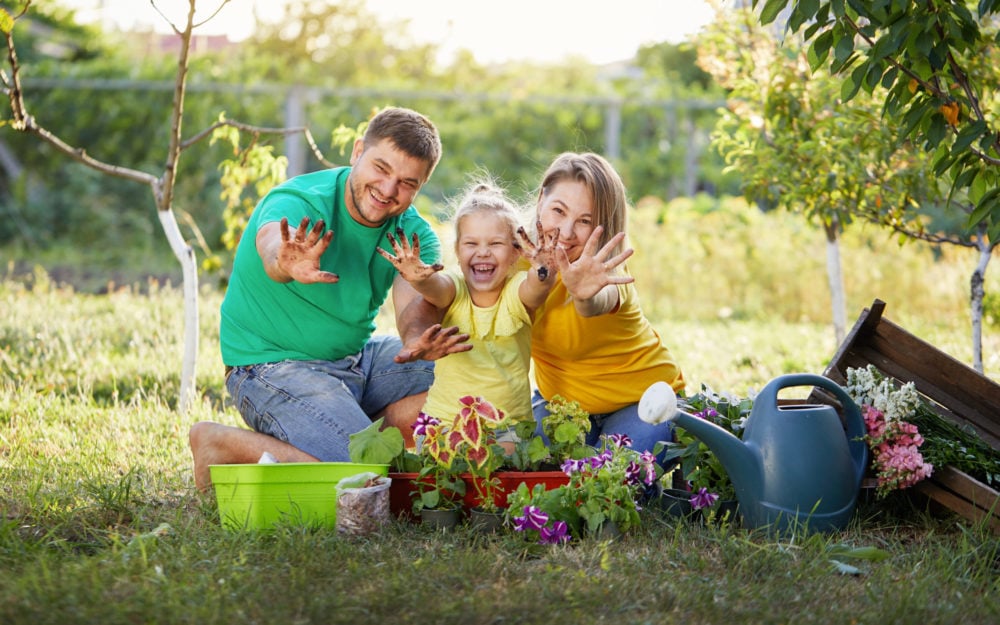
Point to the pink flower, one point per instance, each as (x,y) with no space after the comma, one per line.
(900,466)
(874,421)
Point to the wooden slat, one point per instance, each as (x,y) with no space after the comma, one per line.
(957,504)
(977,493)
(959,392)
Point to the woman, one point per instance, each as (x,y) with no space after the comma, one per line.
(591,342)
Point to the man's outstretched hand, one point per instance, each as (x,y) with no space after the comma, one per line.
(299,257)
(435,342)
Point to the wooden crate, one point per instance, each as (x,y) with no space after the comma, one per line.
(956,391)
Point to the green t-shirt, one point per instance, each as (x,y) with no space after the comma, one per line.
(267,321)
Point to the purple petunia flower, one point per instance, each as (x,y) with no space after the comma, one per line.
(620,440)
(571,466)
(601,459)
(632,472)
(558,533)
(533,519)
(649,464)
(708,413)
(423,420)
(703,499)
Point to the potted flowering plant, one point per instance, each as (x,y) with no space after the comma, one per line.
(707,481)
(602,491)
(489,473)
(564,436)
(467,447)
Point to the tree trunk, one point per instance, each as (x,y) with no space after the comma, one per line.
(185,254)
(835,278)
(976,294)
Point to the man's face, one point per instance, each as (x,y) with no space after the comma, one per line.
(383,182)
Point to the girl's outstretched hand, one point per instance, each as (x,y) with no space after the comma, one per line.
(407,259)
(542,255)
(595,269)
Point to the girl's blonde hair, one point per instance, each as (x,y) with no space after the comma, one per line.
(486,195)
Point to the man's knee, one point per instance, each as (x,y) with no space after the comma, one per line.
(402,414)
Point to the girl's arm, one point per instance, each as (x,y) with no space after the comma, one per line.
(436,288)
(541,276)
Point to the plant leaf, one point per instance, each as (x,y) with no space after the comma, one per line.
(845,569)
(374,445)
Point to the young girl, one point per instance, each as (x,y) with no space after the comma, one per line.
(486,297)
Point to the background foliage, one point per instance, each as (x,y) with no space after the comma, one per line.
(114,99)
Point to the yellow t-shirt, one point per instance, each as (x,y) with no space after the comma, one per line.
(605,362)
(496,368)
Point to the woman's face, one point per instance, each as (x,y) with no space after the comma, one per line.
(569,208)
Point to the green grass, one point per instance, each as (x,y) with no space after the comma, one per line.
(99,521)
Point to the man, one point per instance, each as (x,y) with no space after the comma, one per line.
(302,366)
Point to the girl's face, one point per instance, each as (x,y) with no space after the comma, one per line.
(486,254)
(568,207)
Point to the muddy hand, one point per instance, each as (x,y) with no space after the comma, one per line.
(542,255)
(436,342)
(407,259)
(299,257)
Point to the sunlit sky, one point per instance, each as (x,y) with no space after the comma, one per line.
(541,30)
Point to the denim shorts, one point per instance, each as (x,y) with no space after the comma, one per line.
(316,405)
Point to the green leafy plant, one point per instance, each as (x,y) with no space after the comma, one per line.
(603,488)
(378,445)
(467,445)
(566,429)
(699,466)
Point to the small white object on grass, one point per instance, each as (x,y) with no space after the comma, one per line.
(267,458)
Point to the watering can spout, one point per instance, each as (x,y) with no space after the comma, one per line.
(743,465)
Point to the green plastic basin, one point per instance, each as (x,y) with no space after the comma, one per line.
(261,496)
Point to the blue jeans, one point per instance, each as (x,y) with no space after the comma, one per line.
(316,405)
(623,421)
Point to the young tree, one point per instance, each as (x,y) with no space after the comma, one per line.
(933,66)
(794,143)
(162,185)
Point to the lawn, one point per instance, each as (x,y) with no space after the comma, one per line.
(101,523)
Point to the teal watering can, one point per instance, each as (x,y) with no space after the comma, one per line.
(796,466)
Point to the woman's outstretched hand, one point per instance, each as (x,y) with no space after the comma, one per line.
(595,269)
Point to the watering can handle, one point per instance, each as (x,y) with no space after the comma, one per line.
(856,429)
